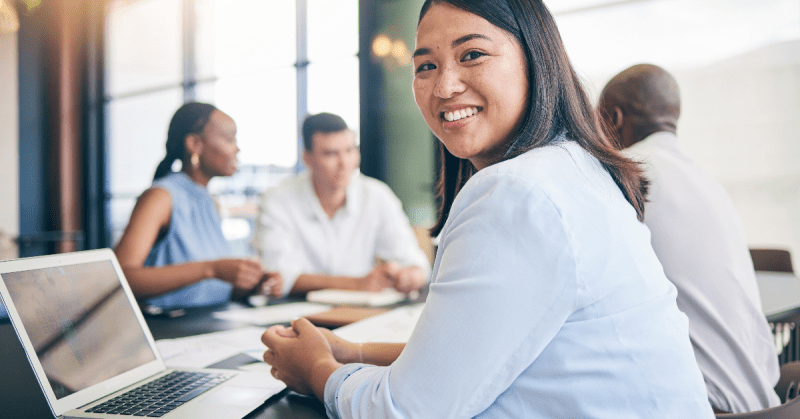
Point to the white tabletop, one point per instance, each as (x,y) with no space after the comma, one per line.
(780,291)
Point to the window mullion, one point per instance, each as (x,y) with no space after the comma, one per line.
(189,45)
(302,74)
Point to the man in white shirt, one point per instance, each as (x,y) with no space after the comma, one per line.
(700,242)
(332,227)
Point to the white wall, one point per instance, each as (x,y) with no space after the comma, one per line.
(9,146)
(737,63)
(741,123)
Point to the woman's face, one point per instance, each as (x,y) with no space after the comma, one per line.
(470,83)
(218,157)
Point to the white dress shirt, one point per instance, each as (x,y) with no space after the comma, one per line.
(294,235)
(699,239)
(546,301)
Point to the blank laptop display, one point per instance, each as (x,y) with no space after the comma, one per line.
(80,324)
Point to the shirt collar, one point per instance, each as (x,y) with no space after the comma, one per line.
(662,137)
(314,207)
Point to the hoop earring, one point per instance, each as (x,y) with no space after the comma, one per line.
(195,161)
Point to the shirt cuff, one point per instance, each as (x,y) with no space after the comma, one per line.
(333,385)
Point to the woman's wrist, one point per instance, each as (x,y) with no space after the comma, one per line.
(320,372)
(210,269)
(349,352)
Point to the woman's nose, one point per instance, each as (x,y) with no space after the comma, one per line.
(449,83)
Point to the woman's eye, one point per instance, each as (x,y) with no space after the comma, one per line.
(472,55)
(426,66)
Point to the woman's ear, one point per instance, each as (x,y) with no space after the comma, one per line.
(193,144)
(616,117)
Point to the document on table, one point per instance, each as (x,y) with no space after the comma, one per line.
(392,327)
(264,316)
(203,350)
(356,298)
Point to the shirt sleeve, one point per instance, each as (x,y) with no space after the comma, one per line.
(397,241)
(275,241)
(504,285)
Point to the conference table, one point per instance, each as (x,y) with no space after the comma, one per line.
(780,295)
(21,396)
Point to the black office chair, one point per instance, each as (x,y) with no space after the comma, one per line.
(787,388)
(775,260)
(789,410)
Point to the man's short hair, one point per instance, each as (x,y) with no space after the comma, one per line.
(322,122)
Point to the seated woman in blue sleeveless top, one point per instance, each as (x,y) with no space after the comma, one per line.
(173,251)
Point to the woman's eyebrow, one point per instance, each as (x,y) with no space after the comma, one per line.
(467,38)
(457,42)
(421,51)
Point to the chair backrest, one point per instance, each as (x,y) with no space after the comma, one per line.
(788,386)
(776,260)
(788,410)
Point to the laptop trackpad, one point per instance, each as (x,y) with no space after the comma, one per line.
(235,396)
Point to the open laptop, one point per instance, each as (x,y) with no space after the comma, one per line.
(93,354)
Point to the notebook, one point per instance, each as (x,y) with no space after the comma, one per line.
(356,298)
(92,352)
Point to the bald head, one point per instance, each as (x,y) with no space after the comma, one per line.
(640,101)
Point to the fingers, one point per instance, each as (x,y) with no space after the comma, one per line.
(252,264)
(248,274)
(276,290)
(271,335)
(271,284)
(302,325)
(287,333)
(392,268)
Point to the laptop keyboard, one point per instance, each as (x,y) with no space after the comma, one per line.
(159,397)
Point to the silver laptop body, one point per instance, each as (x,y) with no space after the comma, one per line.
(87,340)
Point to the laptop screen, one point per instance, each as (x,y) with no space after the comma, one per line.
(80,322)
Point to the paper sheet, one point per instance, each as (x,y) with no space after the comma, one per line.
(203,350)
(356,298)
(392,327)
(264,316)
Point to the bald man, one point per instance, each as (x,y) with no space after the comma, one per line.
(699,240)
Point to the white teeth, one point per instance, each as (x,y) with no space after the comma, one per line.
(460,114)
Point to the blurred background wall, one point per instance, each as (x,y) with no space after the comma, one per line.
(9,157)
(270,63)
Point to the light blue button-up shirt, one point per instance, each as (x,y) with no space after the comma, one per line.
(546,301)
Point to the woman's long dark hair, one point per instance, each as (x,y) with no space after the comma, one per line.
(557,103)
(191,118)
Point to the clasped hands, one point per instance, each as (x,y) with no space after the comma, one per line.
(304,356)
(248,277)
(390,274)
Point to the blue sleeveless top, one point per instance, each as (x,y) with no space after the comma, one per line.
(194,234)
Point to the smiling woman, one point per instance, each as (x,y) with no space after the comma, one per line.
(472,89)
(546,298)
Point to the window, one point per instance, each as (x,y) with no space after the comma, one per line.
(265,63)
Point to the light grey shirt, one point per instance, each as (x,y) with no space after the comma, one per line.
(700,241)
